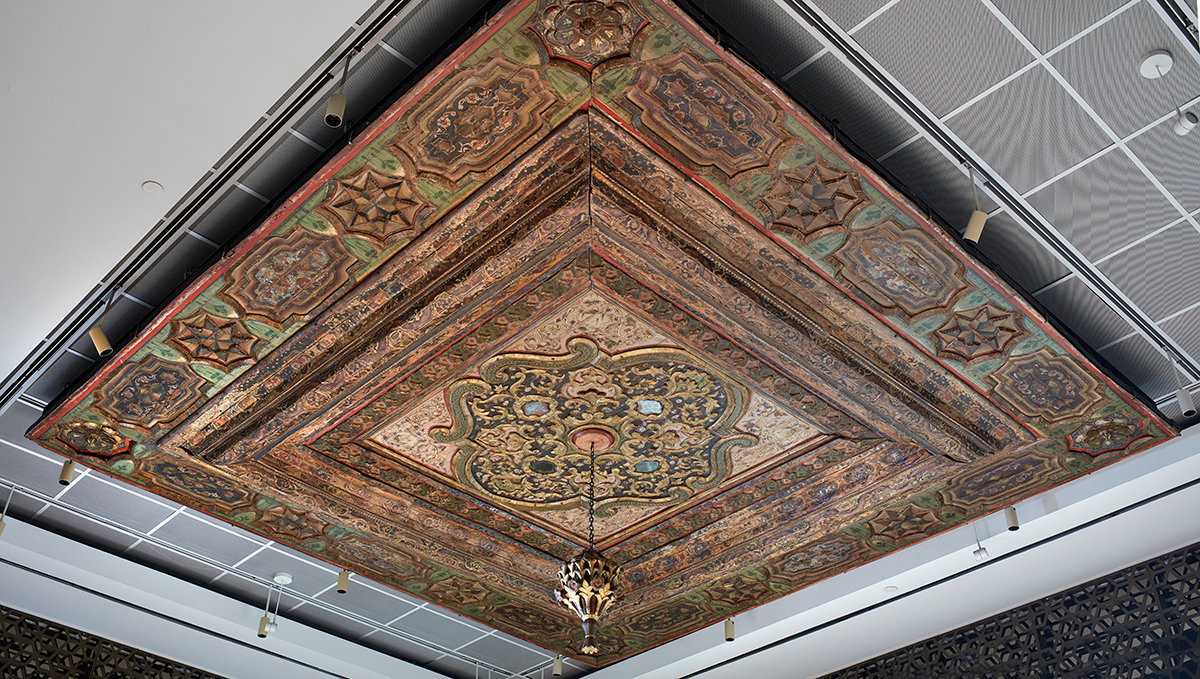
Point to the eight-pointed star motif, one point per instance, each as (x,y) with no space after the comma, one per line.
(811,197)
(205,337)
(978,332)
(375,204)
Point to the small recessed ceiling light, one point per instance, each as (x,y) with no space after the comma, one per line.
(152,187)
(890,588)
(1156,64)
(283,578)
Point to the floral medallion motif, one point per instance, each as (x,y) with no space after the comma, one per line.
(815,557)
(706,112)
(812,197)
(150,392)
(213,339)
(480,116)
(1003,479)
(1107,434)
(662,425)
(93,438)
(375,204)
(977,332)
(901,268)
(1047,386)
(908,522)
(290,277)
(589,31)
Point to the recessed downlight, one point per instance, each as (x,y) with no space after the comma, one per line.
(152,187)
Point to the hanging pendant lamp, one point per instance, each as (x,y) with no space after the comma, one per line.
(587,582)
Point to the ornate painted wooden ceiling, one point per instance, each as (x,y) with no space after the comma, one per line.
(592,224)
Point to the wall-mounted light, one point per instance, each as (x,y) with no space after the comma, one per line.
(335,110)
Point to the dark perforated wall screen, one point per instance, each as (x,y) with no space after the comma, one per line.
(1143,621)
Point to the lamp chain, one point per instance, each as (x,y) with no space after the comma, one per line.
(592,501)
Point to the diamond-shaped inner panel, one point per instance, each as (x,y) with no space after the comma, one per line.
(664,423)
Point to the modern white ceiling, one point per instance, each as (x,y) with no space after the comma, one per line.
(98,98)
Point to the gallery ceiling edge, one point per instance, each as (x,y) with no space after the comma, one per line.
(593,225)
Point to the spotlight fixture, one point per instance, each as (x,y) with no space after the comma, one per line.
(266,624)
(557,666)
(978,217)
(1186,406)
(5,512)
(99,339)
(1156,64)
(1010,517)
(343,581)
(335,110)
(67,473)
(729,629)
(981,553)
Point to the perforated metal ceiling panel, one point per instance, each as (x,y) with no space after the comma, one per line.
(942,51)
(1029,129)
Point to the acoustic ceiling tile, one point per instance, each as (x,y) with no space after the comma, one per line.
(774,37)
(1143,364)
(202,537)
(917,40)
(1049,24)
(828,86)
(368,600)
(1150,272)
(1104,205)
(850,14)
(936,183)
(106,499)
(1172,160)
(1102,66)
(1008,248)
(1029,130)
(1185,330)
(448,632)
(1094,321)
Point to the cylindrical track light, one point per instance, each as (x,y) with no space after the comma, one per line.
(975,226)
(1185,122)
(335,110)
(67,473)
(557,666)
(343,581)
(263,622)
(1186,405)
(729,629)
(1010,518)
(978,217)
(99,339)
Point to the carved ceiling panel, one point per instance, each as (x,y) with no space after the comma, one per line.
(591,226)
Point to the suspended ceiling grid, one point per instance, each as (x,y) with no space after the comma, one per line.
(1046,101)
(820,78)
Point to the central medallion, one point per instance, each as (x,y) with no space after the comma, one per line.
(662,423)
